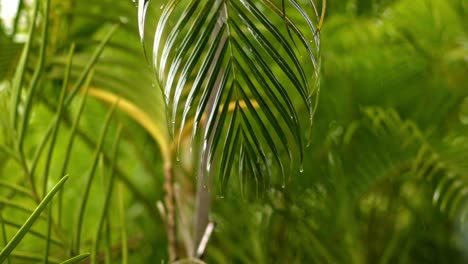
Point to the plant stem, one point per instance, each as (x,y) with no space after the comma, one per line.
(170,216)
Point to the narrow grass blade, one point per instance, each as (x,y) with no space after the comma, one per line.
(76,259)
(28,257)
(90,177)
(35,162)
(109,189)
(35,79)
(16,188)
(84,75)
(6,251)
(70,143)
(4,235)
(91,143)
(56,124)
(49,231)
(123,224)
(108,250)
(17,17)
(4,202)
(21,69)
(35,233)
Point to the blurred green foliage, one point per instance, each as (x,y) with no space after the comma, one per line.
(385,178)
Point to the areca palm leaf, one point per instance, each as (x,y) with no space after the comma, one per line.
(261,57)
(409,154)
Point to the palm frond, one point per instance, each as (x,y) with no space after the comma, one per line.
(210,54)
(408,153)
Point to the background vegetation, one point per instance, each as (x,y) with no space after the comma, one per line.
(384,180)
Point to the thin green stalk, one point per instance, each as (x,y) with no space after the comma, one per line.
(70,143)
(30,96)
(94,251)
(16,188)
(58,118)
(4,235)
(55,130)
(21,69)
(108,193)
(76,259)
(36,77)
(30,178)
(27,257)
(81,80)
(90,177)
(30,173)
(123,224)
(6,251)
(49,231)
(108,250)
(17,205)
(90,143)
(35,233)
(17,17)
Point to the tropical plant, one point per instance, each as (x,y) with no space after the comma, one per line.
(230,75)
(200,158)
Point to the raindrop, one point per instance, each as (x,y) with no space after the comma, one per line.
(436,196)
(123,20)
(205,143)
(463,112)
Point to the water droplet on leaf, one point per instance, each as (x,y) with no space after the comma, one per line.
(123,20)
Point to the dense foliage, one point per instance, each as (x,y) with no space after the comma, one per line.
(384,178)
